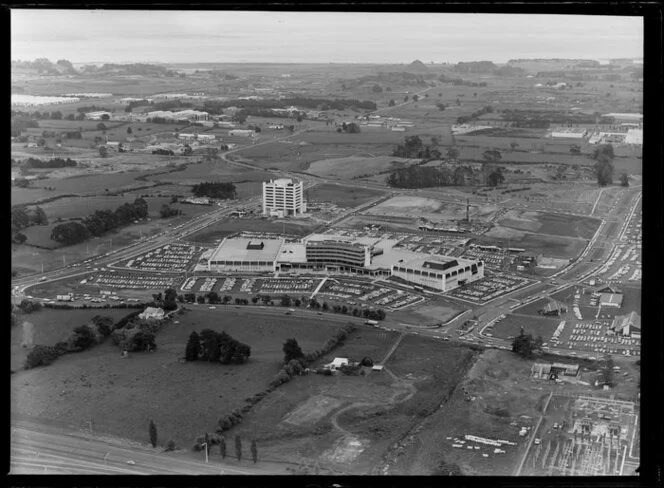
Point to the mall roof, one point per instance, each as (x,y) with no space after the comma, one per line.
(243,249)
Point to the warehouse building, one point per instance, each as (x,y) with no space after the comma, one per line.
(283,197)
(439,272)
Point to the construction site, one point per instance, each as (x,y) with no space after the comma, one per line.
(585,436)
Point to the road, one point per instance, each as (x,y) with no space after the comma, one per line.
(38,449)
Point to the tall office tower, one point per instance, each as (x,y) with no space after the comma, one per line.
(283,197)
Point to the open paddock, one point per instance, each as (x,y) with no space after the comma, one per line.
(98,384)
(50,327)
(342,196)
(351,167)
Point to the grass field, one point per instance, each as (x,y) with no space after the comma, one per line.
(354,166)
(120,395)
(537,326)
(342,196)
(29,259)
(51,327)
(437,310)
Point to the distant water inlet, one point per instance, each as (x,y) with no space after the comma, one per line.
(28,334)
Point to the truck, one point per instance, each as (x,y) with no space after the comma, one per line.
(371,322)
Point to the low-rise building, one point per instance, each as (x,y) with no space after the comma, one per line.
(242,132)
(152,313)
(614,300)
(243,254)
(97,115)
(627,325)
(439,272)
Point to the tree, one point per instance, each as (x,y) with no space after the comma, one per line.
(292,350)
(153,434)
(170,299)
(238,447)
(103,151)
(624,180)
(405,99)
(525,346)
(606,371)
(254,451)
(20,218)
(84,337)
(496,177)
(222,447)
(20,238)
(105,117)
(415,98)
(377,89)
(101,126)
(129,131)
(452,153)
(604,171)
(575,149)
(69,233)
(391,103)
(492,155)
(39,217)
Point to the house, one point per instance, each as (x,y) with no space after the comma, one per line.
(97,115)
(242,132)
(554,307)
(337,363)
(206,137)
(548,371)
(377,367)
(152,313)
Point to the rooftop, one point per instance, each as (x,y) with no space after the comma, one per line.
(440,263)
(243,249)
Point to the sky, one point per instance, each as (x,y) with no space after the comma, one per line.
(316,37)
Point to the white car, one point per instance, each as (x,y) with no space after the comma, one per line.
(130,462)
(212,308)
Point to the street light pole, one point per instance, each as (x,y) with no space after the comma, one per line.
(206,451)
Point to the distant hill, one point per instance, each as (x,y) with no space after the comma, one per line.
(417,66)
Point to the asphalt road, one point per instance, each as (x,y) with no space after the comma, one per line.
(37,449)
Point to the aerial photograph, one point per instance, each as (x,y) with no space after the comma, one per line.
(325,243)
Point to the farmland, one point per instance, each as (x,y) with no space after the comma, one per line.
(347,423)
(99,385)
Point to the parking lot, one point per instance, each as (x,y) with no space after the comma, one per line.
(596,336)
(365,294)
(489,288)
(492,260)
(171,257)
(133,281)
(237,285)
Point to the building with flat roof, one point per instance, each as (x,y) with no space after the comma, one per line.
(97,115)
(283,197)
(568,133)
(634,136)
(244,254)
(611,300)
(441,273)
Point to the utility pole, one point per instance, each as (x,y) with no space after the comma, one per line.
(206,451)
